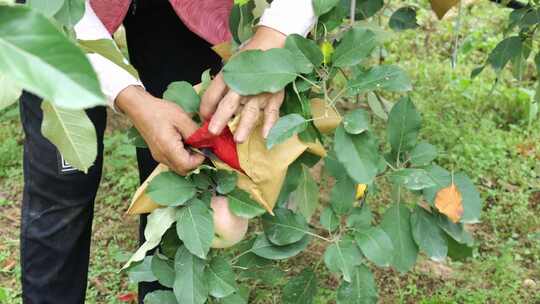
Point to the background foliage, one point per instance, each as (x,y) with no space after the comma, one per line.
(477,123)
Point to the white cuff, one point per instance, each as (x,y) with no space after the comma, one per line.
(112,78)
(290,16)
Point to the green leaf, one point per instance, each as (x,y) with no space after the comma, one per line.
(48,7)
(183,94)
(195,227)
(251,260)
(163,270)
(142,272)
(356,121)
(355,46)
(375,245)
(342,195)
(157,224)
(108,49)
(455,231)
(306,197)
(519,62)
(206,80)
(242,205)
(71,12)
(396,223)
(360,218)
(226,181)
(160,297)
(301,289)
(239,297)
(378,105)
(270,276)
(285,227)
(504,51)
(285,127)
(322,7)
(343,256)
(458,251)
(241,21)
(170,243)
(412,179)
(423,154)
(170,189)
(190,286)
(220,278)
(307,54)
(264,248)
(361,290)
(255,72)
(403,19)
(428,235)
(404,123)
(29,48)
(386,77)
(472,203)
(358,154)
(366,8)
(329,220)
(9,92)
(333,166)
(73,134)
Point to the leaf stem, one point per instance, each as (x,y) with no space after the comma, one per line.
(309,81)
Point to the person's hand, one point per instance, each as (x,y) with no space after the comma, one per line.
(222,103)
(162,124)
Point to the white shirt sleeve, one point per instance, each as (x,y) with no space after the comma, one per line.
(290,16)
(112,78)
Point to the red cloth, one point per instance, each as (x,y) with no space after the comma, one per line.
(207,18)
(223,145)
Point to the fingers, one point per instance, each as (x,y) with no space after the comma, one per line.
(213,96)
(271,112)
(248,119)
(225,111)
(185,125)
(182,161)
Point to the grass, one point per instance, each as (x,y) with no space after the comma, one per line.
(482,130)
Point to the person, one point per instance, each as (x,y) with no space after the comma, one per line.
(58,200)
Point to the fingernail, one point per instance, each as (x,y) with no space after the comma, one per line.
(239,139)
(213,128)
(266,130)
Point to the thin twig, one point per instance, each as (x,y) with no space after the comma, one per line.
(353,12)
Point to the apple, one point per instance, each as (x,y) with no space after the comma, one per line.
(229,229)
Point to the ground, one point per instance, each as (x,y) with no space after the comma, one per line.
(482,128)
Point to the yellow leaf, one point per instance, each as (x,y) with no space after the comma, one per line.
(360,191)
(325,118)
(449,202)
(224,50)
(441,7)
(328,50)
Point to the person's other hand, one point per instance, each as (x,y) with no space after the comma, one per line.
(222,103)
(163,125)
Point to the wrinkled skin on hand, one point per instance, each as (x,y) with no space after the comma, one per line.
(163,125)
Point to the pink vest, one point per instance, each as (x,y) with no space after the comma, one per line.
(207,18)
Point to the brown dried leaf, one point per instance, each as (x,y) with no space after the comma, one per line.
(325,118)
(224,50)
(449,202)
(441,7)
